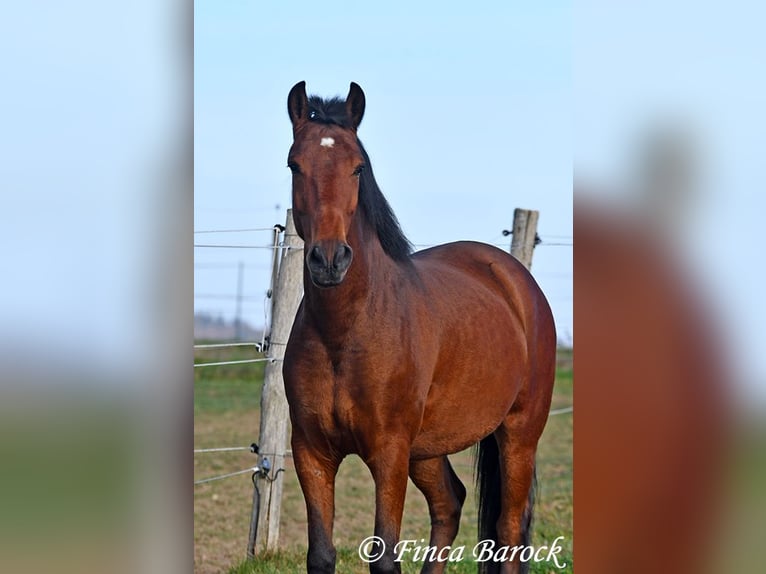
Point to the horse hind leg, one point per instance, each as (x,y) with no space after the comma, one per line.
(517,451)
(445,495)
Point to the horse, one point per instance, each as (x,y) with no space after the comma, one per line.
(404,357)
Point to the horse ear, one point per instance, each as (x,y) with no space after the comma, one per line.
(355,104)
(298,103)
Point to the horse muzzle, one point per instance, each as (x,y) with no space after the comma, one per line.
(328,262)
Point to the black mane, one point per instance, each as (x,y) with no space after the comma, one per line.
(374,205)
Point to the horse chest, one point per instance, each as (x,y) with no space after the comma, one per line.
(354,407)
(351,397)
(344,394)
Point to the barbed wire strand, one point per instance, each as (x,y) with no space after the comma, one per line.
(221,477)
(243,361)
(221,345)
(212,245)
(235,230)
(288,453)
(222,449)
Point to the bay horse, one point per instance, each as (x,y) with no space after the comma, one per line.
(403,358)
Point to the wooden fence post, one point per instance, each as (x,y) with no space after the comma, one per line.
(274,410)
(524,234)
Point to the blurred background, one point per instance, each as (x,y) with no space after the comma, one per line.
(670,375)
(656,107)
(96,336)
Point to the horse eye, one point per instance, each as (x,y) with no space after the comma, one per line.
(359,169)
(294,167)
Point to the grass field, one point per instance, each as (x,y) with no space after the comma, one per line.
(226,413)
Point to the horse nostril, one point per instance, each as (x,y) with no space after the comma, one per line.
(342,258)
(316,257)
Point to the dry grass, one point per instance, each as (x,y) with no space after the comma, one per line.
(227,414)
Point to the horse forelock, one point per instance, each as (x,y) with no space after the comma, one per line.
(331,111)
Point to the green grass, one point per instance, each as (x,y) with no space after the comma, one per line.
(226,407)
(222,395)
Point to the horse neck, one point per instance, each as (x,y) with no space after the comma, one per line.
(336,310)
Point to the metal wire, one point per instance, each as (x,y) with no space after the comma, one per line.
(224,449)
(221,477)
(220,345)
(235,230)
(219,363)
(234,246)
(287,454)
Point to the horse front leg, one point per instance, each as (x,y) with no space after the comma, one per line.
(316,473)
(389,468)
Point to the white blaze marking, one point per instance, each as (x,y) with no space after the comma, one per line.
(327,142)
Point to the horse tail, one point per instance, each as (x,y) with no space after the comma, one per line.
(527,518)
(487,476)
(488,485)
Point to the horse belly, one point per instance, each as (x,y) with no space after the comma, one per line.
(471,395)
(479,372)
(446,430)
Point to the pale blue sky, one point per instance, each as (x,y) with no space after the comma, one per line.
(91,119)
(640,66)
(468,116)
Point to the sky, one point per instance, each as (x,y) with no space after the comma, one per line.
(468,116)
(91,130)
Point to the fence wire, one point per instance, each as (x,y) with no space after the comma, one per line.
(235,230)
(223,345)
(240,362)
(221,477)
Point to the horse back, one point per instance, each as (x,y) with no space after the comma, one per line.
(461,270)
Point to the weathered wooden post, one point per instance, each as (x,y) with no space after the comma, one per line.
(524,235)
(274,411)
